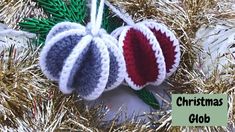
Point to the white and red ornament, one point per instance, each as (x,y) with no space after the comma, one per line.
(150,49)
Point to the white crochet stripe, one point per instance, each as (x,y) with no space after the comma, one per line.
(111,43)
(69,63)
(48,46)
(70,25)
(158,54)
(118,31)
(71,60)
(163,28)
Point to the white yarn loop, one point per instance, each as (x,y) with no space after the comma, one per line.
(93,13)
(99,17)
(96,20)
(124,16)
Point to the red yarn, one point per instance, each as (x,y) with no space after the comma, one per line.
(140,58)
(167,47)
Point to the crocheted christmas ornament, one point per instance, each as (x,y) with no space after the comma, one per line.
(143,56)
(151,51)
(83,59)
(42,26)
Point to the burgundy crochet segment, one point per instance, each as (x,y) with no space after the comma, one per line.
(151,52)
(168,43)
(140,58)
(167,47)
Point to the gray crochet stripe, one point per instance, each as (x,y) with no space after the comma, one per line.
(59,52)
(113,71)
(86,72)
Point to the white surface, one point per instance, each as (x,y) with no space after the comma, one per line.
(124,98)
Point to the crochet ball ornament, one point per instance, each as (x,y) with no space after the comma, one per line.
(151,52)
(82,59)
(143,56)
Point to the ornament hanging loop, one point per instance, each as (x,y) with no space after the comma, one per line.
(124,16)
(96,20)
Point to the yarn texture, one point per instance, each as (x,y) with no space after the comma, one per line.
(150,49)
(85,60)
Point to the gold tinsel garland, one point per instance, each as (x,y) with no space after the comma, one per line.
(31,102)
(13,11)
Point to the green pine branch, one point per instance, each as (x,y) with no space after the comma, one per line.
(79,9)
(73,11)
(57,9)
(148,98)
(34,25)
(110,22)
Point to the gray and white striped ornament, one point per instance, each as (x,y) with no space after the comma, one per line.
(83,59)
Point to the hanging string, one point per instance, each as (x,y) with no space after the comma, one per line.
(93,13)
(99,18)
(125,17)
